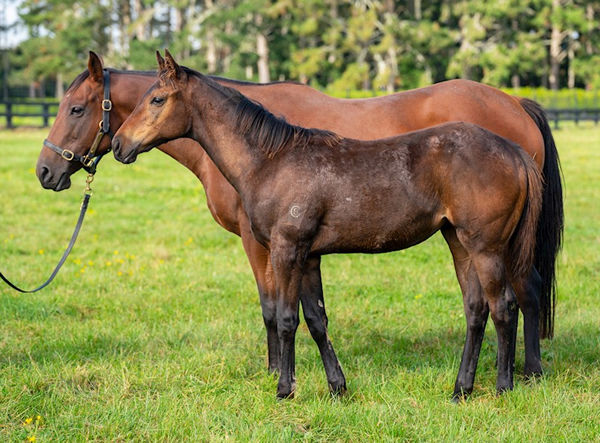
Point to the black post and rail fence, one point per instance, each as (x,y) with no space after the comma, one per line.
(40,113)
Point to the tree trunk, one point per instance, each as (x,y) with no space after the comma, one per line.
(124,23)
(515,81)
(139,11)
(262,50)
(60,87)
(555,51)
(571,68)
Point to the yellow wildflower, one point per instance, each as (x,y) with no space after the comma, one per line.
(418,296)
(31,438)
(41,251)
(27,421)
(109,263)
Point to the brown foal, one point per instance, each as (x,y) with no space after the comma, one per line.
(309,192)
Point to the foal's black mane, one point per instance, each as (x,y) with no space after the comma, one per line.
(261,128)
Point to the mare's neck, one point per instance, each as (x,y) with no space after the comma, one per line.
(214,126)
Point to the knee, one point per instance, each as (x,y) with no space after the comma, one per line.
(287,322)
(269,311)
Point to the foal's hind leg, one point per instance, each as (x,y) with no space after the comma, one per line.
(528,291)
(313,306)
(503,307)
(476,313)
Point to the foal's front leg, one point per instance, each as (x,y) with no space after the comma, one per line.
(288,262)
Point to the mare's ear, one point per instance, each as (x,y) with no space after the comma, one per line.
(160,60)
(95,67)
(172,70)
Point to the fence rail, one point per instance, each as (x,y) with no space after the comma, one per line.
(25,113)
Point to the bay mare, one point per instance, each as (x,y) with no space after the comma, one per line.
(76,126)
(309,192)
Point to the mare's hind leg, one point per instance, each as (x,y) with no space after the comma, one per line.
(528,292)
(503,307)
(476,313)
(313,306)
(260,261)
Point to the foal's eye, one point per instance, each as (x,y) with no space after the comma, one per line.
(76,110)
(157,100)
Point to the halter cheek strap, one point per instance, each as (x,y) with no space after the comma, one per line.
(90,160)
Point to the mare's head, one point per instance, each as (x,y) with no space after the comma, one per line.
(160,116)
(75,128)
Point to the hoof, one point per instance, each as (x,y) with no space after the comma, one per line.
(285,396)
(531,373)
(337,389)
(502,389)
(460,396)
(285,390)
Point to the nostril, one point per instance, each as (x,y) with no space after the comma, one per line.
(116,146)
(44,172)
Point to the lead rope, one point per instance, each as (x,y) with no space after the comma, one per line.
(87,194)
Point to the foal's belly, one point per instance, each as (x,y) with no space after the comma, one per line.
(375,235)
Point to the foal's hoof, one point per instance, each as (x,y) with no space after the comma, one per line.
(460,397)
(502,389)
(285,395)
(337,389)
(285,391)
(531,373)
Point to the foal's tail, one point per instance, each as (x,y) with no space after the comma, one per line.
(523,241)
(550,227)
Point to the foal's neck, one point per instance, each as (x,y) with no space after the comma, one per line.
(214,126)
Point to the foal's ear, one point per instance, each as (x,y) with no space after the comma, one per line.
(171,69)
(95,67)
(160,60)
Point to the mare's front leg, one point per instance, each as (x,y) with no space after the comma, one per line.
(288,261)
(260,261)
(313,306)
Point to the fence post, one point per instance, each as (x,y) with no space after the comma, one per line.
(9,124)
(45,112)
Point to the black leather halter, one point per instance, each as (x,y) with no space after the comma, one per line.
(90,160)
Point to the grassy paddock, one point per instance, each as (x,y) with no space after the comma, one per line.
(153,328)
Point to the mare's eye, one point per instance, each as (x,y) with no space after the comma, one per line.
(157,100)
(76,110)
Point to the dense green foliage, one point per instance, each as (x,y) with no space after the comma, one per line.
(362,44)
(153,331)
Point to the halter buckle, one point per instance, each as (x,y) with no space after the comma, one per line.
(67,155)
(87,161)
(106,105)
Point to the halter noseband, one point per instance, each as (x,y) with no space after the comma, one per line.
(90,160)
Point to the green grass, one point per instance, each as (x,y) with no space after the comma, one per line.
(153,331)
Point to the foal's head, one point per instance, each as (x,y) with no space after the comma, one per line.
(160,116)
(75,128)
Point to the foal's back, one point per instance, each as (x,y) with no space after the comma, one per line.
(392,193)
